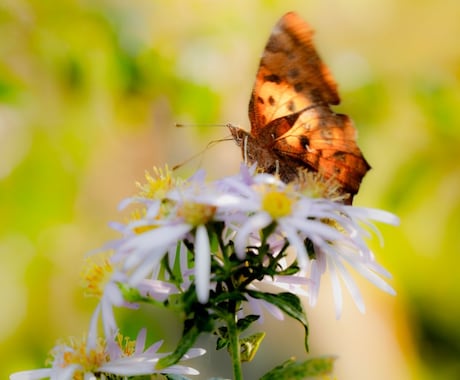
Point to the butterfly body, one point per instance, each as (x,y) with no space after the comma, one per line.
(292,124)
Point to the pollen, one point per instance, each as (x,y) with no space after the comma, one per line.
(315,185)
(277,204)
(158,183)
(196,214)
(127,345)
(139,214)
(96,274)
(76,351)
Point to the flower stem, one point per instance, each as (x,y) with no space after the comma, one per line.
(234,347)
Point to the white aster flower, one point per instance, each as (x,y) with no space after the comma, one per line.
(190,207)
(81,359)
(325,234)
(350,252)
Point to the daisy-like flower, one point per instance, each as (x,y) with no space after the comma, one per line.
(102,279)
(325,234)
(350,252)
(82,359)
(191,206)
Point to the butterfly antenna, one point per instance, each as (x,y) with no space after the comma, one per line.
(199,154)
(180,125)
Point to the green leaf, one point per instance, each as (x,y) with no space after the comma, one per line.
(292,370)
(186,342)
(288,303)
(133,295)
(245,322)
(221,343)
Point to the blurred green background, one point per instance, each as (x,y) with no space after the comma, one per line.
(90,92)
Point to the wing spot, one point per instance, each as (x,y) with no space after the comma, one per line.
(305,142)
(260,100)
(293,73)
(291,106)
(326,133)
(339,156)
(272,78)
(298,87)
(271,100)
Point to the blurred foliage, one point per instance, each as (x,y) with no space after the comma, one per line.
(89,91)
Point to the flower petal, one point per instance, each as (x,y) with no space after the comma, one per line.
(202,264)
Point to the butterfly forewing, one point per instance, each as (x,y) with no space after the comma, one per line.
(291,75)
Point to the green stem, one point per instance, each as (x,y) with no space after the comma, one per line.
(234,348)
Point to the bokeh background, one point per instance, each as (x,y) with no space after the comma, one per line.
(90,92)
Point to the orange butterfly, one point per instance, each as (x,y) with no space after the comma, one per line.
(293,126)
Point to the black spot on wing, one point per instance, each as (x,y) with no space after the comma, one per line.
(304,141)
(272,78)
(293,73)
(298,87)
(339,156)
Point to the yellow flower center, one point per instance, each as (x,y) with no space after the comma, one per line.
(76,352)
(196,214)
(96,274)
(315,185)
(277,204)
(157,184)
(127,345)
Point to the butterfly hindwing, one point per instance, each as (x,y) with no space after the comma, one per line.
(325,142)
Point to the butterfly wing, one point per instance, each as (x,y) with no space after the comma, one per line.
(292,125)
(326,142)
(291,75)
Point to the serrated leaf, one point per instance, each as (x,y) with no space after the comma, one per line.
(288,303)
(245,322)
(229,296)
(221,343)
(292,370)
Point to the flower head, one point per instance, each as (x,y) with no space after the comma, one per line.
(79,359)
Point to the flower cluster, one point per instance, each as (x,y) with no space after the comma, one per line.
(325,234)
(206,247)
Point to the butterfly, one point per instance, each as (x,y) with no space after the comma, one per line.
(292,124)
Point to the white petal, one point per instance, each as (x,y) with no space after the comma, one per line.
(158,239)
(144,269)
(350,285)
(376,280)
(43,373)
(336,290)
(297,243)
(66,373)
(202,264)
(92,333)
(374,214)
(193,353)
(253,224)
(140,341)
